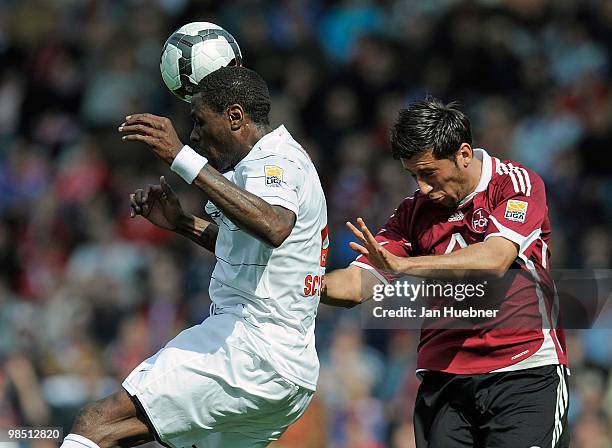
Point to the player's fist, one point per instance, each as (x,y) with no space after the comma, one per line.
(158,204)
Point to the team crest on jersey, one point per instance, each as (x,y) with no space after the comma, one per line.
(516,210)
(480,220)
(274,175)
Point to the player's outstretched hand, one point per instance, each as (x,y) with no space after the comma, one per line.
(157,132)
(159,204)
(380,257)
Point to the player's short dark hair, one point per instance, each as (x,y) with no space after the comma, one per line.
(237,85)
(430,124)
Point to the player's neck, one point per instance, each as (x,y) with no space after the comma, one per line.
(255,133)
(249,140)
(259,131)
(474,175)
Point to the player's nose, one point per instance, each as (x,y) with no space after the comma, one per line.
(424,187)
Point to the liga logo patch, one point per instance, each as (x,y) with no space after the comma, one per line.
(274,175)
(516,210)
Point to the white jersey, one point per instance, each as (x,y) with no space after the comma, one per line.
(276,290)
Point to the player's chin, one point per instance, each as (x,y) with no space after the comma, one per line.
(212,160)
(446,201)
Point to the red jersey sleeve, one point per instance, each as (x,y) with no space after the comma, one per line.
(394,237)
(520,210)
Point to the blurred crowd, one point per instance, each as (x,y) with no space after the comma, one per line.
(86,292)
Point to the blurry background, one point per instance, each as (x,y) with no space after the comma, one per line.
(86,292)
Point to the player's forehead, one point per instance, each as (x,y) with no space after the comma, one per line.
(422,161)
(199,107)
(196,103)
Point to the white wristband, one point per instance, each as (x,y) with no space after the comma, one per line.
(188,164)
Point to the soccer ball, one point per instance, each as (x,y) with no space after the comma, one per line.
(192,52)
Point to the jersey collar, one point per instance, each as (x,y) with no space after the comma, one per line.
(268,142)
(271,140)
(485,174)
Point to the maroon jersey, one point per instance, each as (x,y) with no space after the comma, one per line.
(509,202)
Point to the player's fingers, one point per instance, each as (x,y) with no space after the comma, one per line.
(139,138)
(147,193)
(146,118)
(143,129)
(166,188)
(366,232)
(138,118)
(359,248)
(355,231)
(369,240)
(133,206)
(138,196)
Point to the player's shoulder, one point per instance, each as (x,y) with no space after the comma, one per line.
(507,174)
(409,203)
(278,148)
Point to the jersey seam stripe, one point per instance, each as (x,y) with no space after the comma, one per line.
(554,312)
(544,252)
(260,177)
(505,170)
(519,176)
(528,180)
(515,236)
(522,180)
(274,196)
(228,226)
(239,264)
(227,284)
(514,181)
(546,323)
(542,310)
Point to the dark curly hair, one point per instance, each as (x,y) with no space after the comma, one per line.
(237,85)
(430,124)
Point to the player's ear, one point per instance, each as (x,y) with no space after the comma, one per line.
(465,155)
(235,114)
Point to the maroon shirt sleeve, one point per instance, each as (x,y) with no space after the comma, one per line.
(394,237)
(520,209)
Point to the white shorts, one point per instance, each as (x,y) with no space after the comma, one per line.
(206,388)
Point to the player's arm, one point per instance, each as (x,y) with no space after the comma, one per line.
(199,231)
(355,284)
(493,256)
(272,224)
(161,206)
(348,287)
